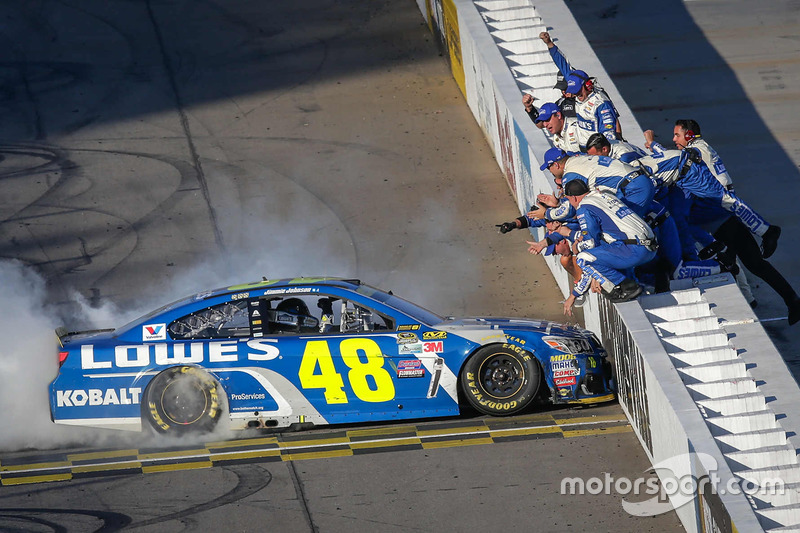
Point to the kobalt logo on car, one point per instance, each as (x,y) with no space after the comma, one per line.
(78,398)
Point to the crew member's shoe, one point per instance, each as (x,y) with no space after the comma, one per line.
(625,291)
(720,253)
(769,242)
(727,262)
(711,250)
(794,311)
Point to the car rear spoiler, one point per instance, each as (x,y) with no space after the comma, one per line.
(62,333)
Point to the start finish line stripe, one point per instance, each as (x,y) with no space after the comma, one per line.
(124,462)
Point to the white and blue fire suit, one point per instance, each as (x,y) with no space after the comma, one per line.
(625,151)
(710,158)
(677,167)
(614,176)
(597,112)
(572,138)
(614,240)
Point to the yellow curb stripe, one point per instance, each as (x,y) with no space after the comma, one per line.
(597,399)
(314,442)
(180,454)
(524,419)
(36,479)
(176,466)
(102,468)
(597,431)
(499,433)
(386,443)
(458,442)
(450,431)
(242,442)
(228,456)
(589,420)
(102,455)
(381,431)
(36,466)
(316,455)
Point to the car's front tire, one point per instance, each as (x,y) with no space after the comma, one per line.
(182,399)
(500,379)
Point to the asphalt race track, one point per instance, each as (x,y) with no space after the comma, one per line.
(154,149)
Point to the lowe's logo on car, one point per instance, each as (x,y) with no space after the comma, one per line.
(141,355)
(78,398)
(154,332)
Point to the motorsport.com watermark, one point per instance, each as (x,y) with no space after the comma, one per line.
(674,487)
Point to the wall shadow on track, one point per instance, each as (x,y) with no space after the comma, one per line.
(69,66)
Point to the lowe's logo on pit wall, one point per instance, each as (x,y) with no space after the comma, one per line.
(77,398)
(142,355)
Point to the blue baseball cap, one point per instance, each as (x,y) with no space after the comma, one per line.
(551,249)
(554,238)
(551,156)
(547,111)
(575,80)
(574,84)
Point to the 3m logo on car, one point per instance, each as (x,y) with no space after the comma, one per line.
(433,347)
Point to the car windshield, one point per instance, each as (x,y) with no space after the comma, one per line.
(148,316)
(404,306)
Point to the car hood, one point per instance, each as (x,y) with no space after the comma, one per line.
(480,325)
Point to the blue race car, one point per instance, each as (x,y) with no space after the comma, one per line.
(324,351)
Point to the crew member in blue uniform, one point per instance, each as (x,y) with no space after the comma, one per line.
(612,241)
(593,107)
(609,175)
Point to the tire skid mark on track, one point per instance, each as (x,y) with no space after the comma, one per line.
(184,119)
(111,521)
(57,160)
(250,481)
(31,469)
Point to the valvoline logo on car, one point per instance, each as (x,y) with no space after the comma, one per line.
(154,332)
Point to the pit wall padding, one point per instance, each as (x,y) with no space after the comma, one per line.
(674,370)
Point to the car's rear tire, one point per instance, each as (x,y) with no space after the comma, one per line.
(181,400)
(500,379)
